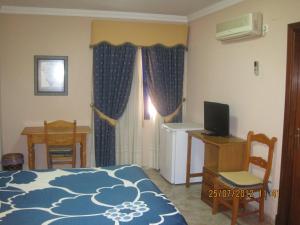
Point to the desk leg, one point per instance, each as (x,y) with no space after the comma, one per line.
(188,161)
(31,153)
(83,151)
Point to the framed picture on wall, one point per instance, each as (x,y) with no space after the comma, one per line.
(50,75)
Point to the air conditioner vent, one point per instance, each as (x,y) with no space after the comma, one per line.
(248,25)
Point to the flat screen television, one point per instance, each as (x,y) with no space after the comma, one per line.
(216,118)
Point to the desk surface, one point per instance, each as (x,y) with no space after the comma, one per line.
(215,140)
(40,130)
(36,135)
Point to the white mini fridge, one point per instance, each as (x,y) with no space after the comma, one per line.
(173,152)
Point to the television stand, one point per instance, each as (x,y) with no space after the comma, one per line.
(221,154)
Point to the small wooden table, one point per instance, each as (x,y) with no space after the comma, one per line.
(220,154)
(35,135)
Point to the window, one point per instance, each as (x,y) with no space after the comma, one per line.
(149,109)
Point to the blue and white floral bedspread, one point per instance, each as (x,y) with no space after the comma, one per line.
(121,195)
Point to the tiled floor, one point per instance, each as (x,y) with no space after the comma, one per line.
(188,201)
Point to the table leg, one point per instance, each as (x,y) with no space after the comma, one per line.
(83,151)
(31,153)
(188,161)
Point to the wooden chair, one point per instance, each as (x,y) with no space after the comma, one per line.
(236,189)
(60,139)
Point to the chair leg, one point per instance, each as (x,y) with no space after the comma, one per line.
(74,157)
(245,204)
(235,210)
(49,161)
(261,206)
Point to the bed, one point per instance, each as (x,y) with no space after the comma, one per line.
(98,196)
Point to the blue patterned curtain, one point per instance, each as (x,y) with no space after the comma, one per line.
(113,72)
(163,70)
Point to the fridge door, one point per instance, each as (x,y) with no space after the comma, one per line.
(166,154)
(180,157)
(173,152)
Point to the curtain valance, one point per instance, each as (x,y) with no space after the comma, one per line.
(138,33)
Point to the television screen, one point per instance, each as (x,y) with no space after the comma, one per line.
(216,118)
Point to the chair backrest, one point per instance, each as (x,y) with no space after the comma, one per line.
(60,133)
(259,161)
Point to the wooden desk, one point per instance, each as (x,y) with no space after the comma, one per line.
(220,154)
(35,135)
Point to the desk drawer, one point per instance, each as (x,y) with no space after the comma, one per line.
(206,192)
(207,196)
(205,189)
(208,176)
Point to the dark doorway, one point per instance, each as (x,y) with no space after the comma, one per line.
(289,197)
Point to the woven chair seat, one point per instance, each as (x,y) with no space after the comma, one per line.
(241,179)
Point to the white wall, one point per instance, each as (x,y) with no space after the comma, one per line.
(224,73)
(22,37)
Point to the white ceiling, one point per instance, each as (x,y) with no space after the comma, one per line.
(170,7)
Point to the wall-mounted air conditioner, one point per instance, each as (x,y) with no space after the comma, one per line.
(245,26)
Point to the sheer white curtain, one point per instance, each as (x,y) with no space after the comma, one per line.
(138,141)
(129,135)
(158,121)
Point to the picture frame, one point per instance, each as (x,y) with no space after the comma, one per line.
(50,75)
